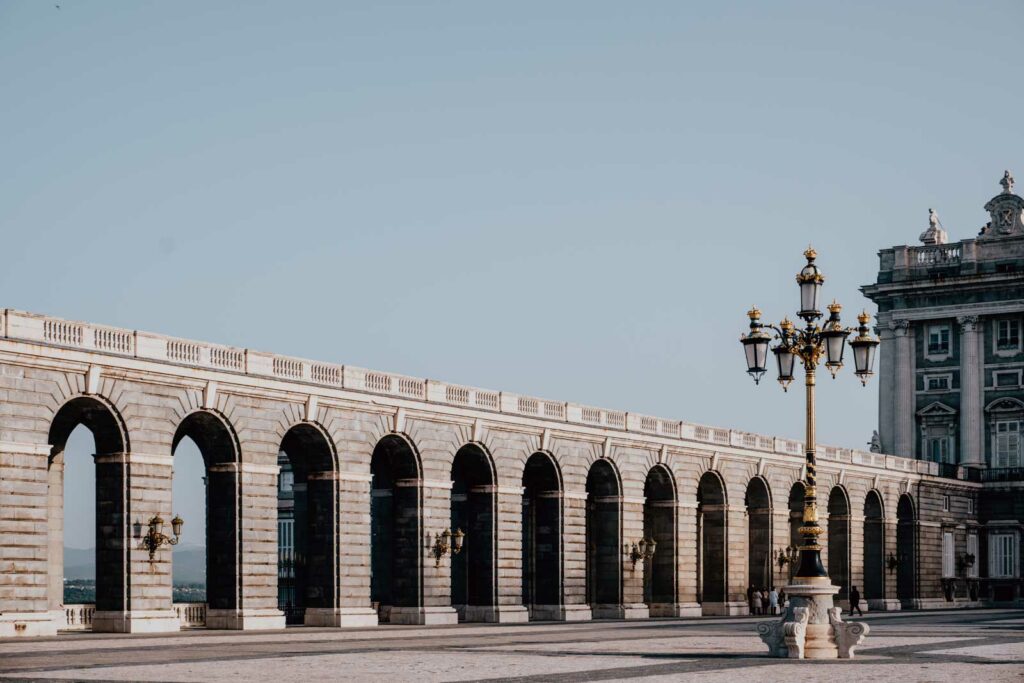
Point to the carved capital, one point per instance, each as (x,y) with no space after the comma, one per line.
(899,326)
(968,323)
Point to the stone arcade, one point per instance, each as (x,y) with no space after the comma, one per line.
(552,496)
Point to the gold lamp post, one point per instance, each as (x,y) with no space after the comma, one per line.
(810,344)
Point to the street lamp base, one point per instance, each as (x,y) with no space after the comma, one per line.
(811,626)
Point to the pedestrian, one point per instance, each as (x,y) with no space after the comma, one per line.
(752,599)
(773,601)
(764,600)
(782,598)
(855,601)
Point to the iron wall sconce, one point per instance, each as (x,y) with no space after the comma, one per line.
(641,550)
(446,542)
(788,556)
(156,539)
(891,563)
(967,560)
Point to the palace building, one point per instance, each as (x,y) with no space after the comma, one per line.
(338,496)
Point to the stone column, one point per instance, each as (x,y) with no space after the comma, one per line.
(256,546)
(633,605)
(780,540)
(509,606)
(352,606)
(903,410)
(736,563)
(972,452)
(574,557)
(686,559)
(887,388)
(25,547)
(857,553)
(131,489)
(891,602)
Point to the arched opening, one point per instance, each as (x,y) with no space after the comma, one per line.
(82,427)
(906,549)
(473,500)
(306,523)
(759,534)
(542,537)
(395,545)
(796,520)
(874,548)
(660,526)
(603,533)
(711,538)
(839,541)
(188,557)
(216,442)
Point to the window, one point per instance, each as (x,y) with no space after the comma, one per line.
(285,539)
(945,503)
(972,550)
(1002,555)
(970,507)
(937,443)
(1006,379)
(1007,443)
(1008,335)
(937,382)
(287,481)
(948,558)
(938,340)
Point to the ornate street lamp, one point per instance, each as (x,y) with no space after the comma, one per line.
(811,345)
(156,539)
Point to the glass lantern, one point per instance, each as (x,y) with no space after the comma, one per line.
(864,347)
(810,280)
(755,346)
(835,339)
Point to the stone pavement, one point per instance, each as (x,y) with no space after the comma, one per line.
(965,646)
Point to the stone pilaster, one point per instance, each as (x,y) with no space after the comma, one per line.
(736,563)
(509,606)
(436,590)
(26,587)
(972,451)
(887,388)
(857,552)
(686,559)
(574,562)
(890,601)
(903,408)
(633,605)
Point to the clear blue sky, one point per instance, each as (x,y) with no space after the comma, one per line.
(570,200)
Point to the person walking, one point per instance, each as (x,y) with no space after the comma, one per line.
(782,598)
(773,601)
(764,600)
(855,601)
(752,600)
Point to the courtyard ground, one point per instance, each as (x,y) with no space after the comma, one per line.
(967,646)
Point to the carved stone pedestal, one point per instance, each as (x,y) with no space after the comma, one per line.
(811,627)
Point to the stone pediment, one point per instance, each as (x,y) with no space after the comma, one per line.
(1007,212)
(1005,405)
(936,409)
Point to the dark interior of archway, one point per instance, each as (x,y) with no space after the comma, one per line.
(472,579)
(604,557)
(660,525)
(839,541)
(217,445)
(541,532)
(796,520)
(874,548)
(759,551)
(711,538)
(307,577)
(108,436)
(394,526)
(906,542)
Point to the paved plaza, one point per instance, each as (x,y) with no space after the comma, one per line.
(975,645)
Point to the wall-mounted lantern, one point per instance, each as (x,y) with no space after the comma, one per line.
(155,537)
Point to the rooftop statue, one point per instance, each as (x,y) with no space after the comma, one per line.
(934,234)
(1006,210)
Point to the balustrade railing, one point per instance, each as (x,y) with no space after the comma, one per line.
(79,617)
(17,325)
(937,256)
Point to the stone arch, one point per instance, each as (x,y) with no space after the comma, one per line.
(307,524)
(218,444)
(758,502)
(603,538)
(906,551)
(839,540)
(874,546)
(712,536)
(542,536)
(473,511)
(661,527)
(110,437)
(396,530)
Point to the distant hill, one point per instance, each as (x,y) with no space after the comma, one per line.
(189,564)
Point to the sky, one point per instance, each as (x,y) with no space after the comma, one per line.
(574,200)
